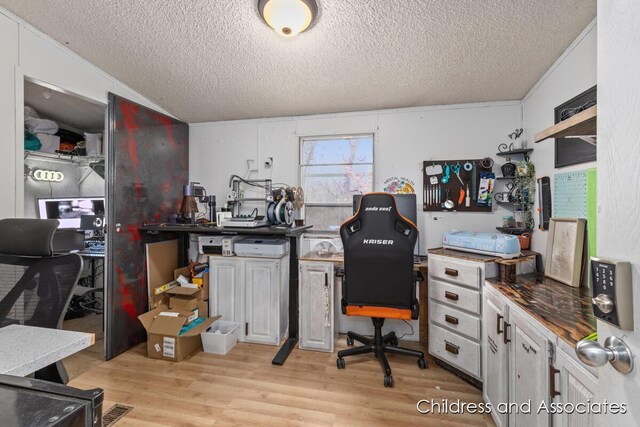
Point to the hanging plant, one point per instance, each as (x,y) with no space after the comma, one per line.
(525,191)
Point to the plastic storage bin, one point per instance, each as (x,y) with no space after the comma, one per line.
(221,337)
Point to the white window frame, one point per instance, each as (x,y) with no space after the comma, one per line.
(302,139)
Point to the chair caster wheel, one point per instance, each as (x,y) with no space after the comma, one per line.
(388,381)
(340,363)
(394,342)
(349,341)
(422,364)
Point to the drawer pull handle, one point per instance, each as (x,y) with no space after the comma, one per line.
(506,329)
(451,319)
(552,381)
(451,272)
(454,349)
(498,320)
(451,296)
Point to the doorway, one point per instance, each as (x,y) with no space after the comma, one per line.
(64,179)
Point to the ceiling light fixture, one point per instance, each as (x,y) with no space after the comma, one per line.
(288,17)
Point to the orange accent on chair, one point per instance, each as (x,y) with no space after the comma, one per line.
(383,312)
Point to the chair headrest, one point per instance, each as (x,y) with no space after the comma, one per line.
(27,236)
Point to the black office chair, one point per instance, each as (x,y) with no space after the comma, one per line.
(378,277)
(35,285)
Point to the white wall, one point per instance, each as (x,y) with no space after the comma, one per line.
(404,138)
(618,178)
(573,73)
(26,52)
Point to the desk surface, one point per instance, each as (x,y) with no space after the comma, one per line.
(25,349)
(210,229)
(564,310)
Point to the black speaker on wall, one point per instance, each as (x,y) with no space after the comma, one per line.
(572,151)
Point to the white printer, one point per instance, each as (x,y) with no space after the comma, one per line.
(264,247)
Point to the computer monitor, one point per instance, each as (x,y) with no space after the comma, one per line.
(69,210)
(407,207)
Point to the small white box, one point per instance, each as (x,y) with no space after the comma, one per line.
(221,338)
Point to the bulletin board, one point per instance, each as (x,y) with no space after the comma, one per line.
(575,196)
(434,193)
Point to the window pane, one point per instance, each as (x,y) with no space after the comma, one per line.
(336,184)
(325,218)
(338,150)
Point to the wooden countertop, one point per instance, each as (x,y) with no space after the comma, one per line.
(564,310)
(469,256)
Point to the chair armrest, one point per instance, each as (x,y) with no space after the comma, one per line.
(340,271)
(417,276)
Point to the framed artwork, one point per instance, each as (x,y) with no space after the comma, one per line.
(565,246)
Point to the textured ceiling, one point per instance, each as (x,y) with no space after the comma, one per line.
(208,60)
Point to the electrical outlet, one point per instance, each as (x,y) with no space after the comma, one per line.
(268,162)
(437,217)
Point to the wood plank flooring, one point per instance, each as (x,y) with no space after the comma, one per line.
(243,388)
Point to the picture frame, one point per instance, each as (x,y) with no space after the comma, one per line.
(565,250)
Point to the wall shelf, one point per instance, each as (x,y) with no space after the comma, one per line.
(583,125)
(524,152)
(37,155)
(513,230)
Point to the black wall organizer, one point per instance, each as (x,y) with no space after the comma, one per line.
(435,195)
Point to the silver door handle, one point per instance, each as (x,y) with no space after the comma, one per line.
(615,351)
(604,303)
(118,227)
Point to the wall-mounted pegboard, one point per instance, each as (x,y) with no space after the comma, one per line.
(436,186)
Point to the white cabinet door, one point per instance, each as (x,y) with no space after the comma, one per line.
(262,294)
(226,290)
(316,306)
(528,373)
(575,385)
(494,355)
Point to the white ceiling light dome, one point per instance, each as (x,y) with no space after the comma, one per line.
(288,17)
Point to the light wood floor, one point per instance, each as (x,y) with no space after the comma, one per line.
(244,388)
(89,358)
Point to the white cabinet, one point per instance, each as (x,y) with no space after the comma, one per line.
(253,292)
(528,372)
(525,369)
(317,309)
(455,303)
(226,293)
(494,355)
(575,385)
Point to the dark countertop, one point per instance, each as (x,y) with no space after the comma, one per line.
(564,310)
(212,229)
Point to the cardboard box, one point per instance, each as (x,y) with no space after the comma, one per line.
(164,338)
(202,282)
(181,298)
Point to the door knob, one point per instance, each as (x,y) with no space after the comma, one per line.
(615,351)
(118,227)
(604,303)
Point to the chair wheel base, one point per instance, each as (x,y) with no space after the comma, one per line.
(340,363)
(349,341)
(422,364)
(388,381)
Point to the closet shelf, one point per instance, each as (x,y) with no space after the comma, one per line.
(583,125)
(62,157)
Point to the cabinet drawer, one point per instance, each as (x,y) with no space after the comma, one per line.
(453,295)
(456,271)
(454,349)
(456,320)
